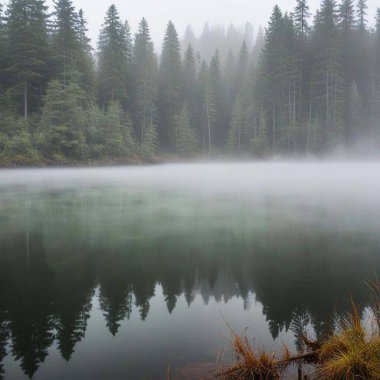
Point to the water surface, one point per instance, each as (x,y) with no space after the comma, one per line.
(120,272)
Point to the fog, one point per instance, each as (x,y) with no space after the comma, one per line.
(343,195)
(184,12)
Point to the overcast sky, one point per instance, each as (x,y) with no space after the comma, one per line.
(183,12)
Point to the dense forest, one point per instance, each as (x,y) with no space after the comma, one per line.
(307,85)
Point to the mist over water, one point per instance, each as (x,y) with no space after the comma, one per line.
(104,270)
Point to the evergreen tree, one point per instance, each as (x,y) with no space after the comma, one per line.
(113,60)
(346,29)
(145,82)
(170,81)
(259,143)
(27,53)
(190,83)
(3,56)
(207,106)
(362,14)
(235,137)
(301,16)
(86,67)
(63,122)
(328,76)
(150,142)
(217,100)
(66,44)
(185,139)
(119,141)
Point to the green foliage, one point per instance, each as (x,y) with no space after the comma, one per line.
(150,143)
(145,81)
(119,142)
(27,52)
(113,60)
(186,142)
(63,122)
(259,143)
(170,81)
(235,137)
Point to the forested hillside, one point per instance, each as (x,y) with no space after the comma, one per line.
(308,85)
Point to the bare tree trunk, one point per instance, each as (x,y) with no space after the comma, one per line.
(26,100)
(209,125)
(274,128)
(309,124)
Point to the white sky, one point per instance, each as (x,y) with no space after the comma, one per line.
(183,12)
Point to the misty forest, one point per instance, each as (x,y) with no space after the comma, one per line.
(306,85)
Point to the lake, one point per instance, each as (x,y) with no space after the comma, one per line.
(121,273)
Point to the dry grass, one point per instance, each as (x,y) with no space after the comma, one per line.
(250,364)
(352,352)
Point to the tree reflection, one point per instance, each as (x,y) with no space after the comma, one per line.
(45,296)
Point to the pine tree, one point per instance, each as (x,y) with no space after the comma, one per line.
(3,57)
(235,136)
(63,122)
(119,141)
(259,145)
(186,142)
(170,80)
(27,53)
(217,100)
(207,107)
(346,41)
(145,82)
(328,76)
(301,16)
(87,76)
(242,69)
(362,14)
(189,74)
(113,60)
(150,142)
(65,40)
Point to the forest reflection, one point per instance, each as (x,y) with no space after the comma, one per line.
(46,295)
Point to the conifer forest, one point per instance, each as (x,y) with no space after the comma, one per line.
(307,84)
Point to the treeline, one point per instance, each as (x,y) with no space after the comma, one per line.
(305,88)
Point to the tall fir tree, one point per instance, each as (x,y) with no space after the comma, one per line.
(65,40)
(189,74)
(170,84)
(113,60)
(328,76)
(301,16)
(3,57)
(27,53)
(145,84)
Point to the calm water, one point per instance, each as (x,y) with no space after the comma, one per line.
(118,273)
